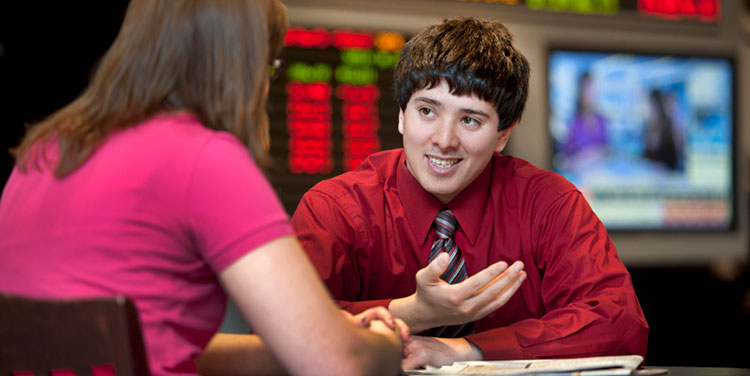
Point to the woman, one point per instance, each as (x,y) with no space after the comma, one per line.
(144,186)
(587,134)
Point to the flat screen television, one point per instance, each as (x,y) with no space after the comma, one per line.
(647,138)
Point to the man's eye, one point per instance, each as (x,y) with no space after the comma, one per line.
(425,111)
(470,121)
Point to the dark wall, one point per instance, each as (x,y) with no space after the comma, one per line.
(48,50)
(698,316)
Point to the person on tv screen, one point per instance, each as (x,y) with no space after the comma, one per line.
(587,130)
(483,255)
(660,143)
(148,185)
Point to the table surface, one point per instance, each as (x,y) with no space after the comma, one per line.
(703,371)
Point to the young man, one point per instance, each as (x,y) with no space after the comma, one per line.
(381,234)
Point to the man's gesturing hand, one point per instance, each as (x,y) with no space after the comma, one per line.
(437,303)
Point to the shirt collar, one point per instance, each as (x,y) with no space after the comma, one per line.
(421,207)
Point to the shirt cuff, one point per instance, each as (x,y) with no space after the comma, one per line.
(358,307)
(497,344)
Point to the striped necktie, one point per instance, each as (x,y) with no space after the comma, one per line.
(445,226)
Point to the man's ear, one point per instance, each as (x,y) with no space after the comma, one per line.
(401,121)
(502,139)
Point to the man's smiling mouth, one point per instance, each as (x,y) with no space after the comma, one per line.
(443,163)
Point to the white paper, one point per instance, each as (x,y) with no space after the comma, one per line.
(602,365)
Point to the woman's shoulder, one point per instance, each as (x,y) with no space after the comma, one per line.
(175,135)
(176,127)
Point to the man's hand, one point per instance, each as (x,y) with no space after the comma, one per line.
(432,351)
(437,303)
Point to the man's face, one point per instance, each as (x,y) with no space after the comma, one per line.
(449,139)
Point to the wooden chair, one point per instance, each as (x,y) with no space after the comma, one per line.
(96,337)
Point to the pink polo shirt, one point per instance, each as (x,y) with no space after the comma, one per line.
(156,212)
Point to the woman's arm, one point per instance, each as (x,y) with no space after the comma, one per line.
(238,354)
(284,301)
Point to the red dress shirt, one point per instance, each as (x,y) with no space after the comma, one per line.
(368,232)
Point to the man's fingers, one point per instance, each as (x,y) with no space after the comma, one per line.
(411,362)
(505,295)
(431,273)
(509,291)
(478,282)
(500,292)
(415,354)
(504,278)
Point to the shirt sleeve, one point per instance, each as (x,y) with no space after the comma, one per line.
(232,208)
(331,236)
(592,309)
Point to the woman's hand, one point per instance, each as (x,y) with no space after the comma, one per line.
(365,318)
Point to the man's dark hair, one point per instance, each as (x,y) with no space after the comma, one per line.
(474,57)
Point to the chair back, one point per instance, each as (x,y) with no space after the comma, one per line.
(98,336)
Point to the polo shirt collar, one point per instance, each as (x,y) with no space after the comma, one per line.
(421,207)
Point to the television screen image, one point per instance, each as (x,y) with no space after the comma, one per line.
(648,139)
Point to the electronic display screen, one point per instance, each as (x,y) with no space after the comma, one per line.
(332,105)
(648,139)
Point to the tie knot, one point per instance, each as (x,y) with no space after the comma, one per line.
(445,223)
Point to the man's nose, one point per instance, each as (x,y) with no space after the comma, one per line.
(444,135)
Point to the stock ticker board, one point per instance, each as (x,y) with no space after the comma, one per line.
(331,107)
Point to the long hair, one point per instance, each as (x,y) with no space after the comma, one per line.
(208,58)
